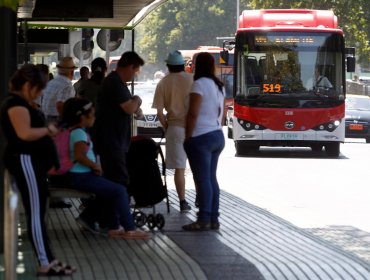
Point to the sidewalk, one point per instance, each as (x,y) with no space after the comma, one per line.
(251,244)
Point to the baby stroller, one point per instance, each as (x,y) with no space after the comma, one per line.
(146,184)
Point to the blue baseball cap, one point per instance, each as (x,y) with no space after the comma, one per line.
(175,58)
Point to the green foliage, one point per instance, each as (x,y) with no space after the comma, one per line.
(182,24)
(185,24)
(12,4)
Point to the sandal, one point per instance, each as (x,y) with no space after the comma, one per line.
(116,232)
(197,226)
(136,234)
(132,234)
(57,269)
(66,266)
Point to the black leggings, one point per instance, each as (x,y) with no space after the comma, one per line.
(32,184)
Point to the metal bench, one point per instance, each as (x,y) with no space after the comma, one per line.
(60,191)
(63,191)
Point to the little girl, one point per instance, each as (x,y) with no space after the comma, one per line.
(86,174)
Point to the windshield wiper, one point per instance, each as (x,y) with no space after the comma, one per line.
(255,98)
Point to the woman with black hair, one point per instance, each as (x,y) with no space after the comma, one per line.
(86,175)
(29,154)
(204,140)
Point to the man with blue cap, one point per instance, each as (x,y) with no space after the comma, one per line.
(171,95)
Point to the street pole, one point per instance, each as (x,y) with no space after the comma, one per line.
(107,50)
(8,64)
(237,14)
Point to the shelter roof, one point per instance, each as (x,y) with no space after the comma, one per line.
(126,14)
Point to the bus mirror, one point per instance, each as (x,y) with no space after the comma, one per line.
(351,64)
(350,51)
(224,57)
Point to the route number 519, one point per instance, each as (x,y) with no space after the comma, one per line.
(271,88)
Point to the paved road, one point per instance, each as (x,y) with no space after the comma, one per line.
(328,197)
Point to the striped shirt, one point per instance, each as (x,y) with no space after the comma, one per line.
(58,89)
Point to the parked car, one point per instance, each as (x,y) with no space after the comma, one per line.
(358,117)
(148,124)
(365,80)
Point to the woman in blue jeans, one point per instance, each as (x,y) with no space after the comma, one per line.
(86,174)
(204,140)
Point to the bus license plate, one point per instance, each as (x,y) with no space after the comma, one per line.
(289,136)
(150,125)
(356,126)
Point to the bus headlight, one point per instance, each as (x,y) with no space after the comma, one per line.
(329,126)
(247,125)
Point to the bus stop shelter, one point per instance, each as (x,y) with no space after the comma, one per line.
(108,14)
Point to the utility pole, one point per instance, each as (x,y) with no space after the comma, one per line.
(237,14)
(8,54)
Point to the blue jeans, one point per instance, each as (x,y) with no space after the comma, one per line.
(203,152)
(113,195)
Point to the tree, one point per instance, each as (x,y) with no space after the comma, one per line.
(186,24)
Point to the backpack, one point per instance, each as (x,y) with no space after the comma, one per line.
(61,141)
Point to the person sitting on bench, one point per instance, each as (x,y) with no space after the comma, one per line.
(86,175)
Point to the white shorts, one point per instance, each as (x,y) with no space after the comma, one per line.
(175,153)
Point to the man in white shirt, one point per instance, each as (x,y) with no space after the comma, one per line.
(58,90)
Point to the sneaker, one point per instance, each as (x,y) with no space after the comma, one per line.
(86,225)
(197,226)
(104,231)
(184,206)
(196,203)
(215,225)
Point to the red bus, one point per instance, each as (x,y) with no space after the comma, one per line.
(278,100)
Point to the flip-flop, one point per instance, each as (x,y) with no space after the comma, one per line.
(66,266)
(132,234)
(116,232)
(135,234)
(55,270)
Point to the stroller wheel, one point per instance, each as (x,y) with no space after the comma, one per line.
(139,218)
(159,218)
(151,221)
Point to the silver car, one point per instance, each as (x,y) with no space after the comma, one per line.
(148,124)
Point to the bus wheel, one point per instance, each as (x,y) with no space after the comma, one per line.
(333,149)
(316,148)
(242,149)
(229,133)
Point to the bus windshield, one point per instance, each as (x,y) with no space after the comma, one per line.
(289,66)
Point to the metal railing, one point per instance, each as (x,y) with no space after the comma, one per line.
(358,88)
(10,227)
